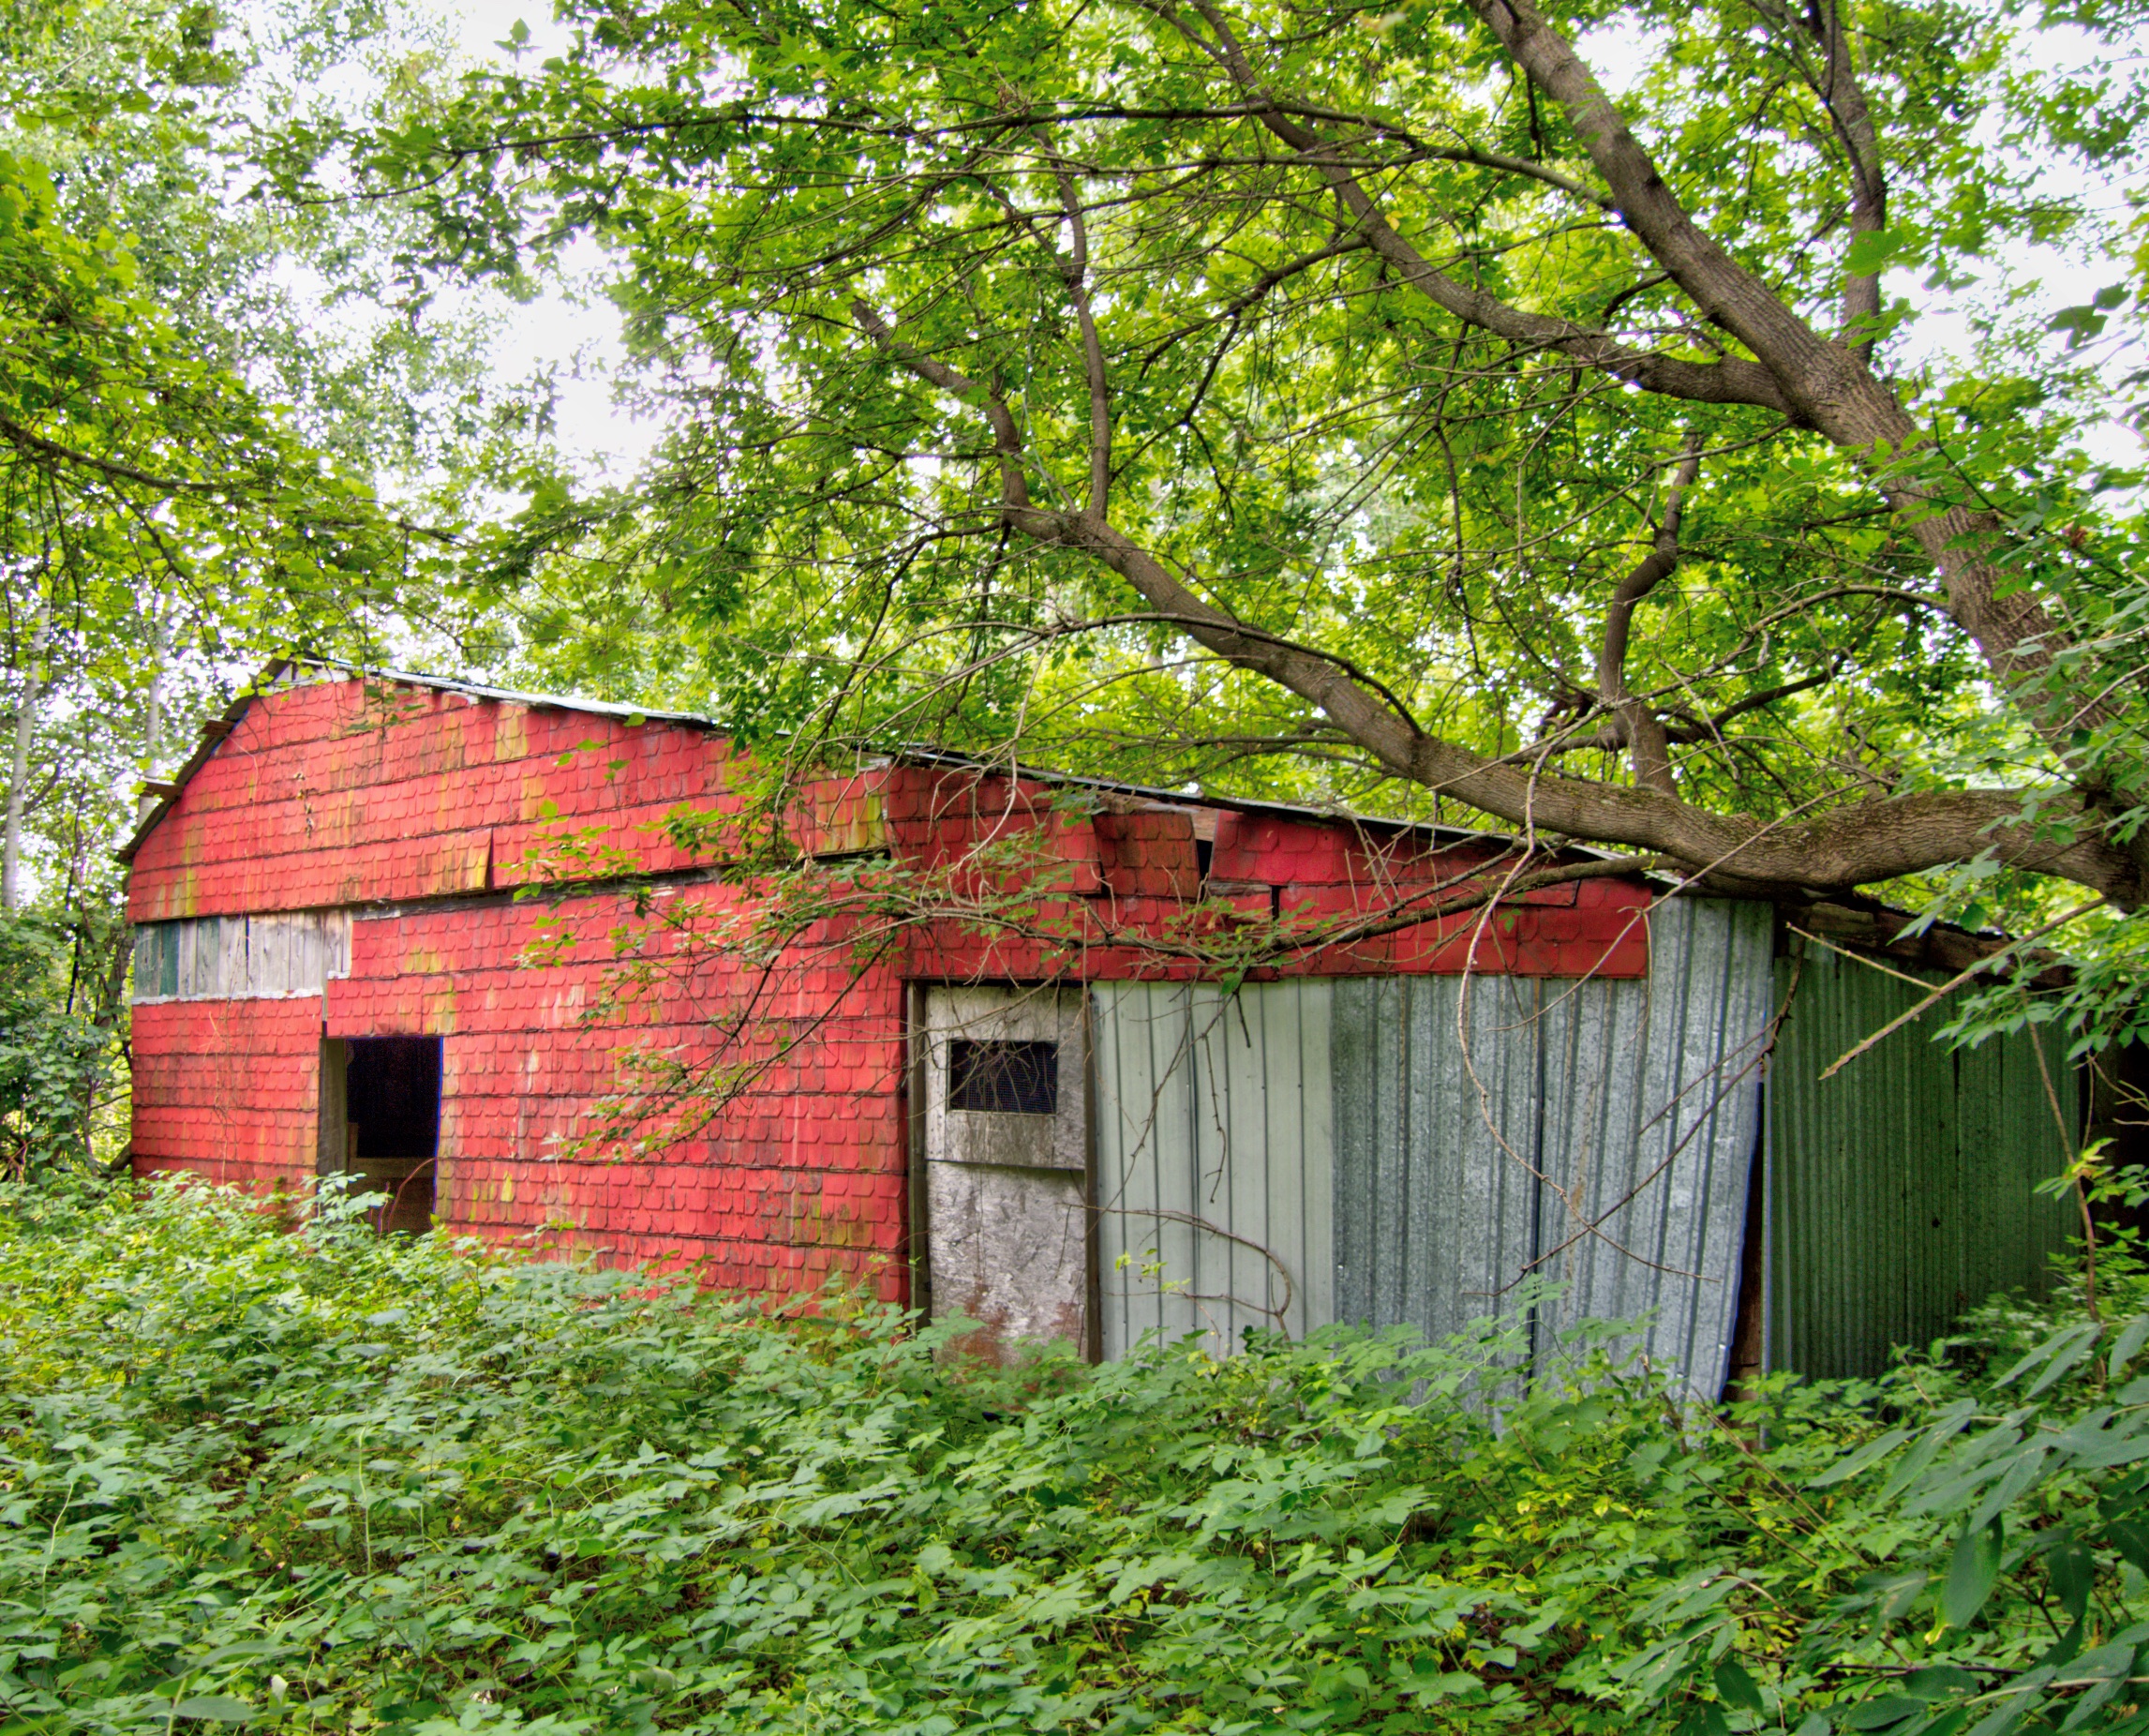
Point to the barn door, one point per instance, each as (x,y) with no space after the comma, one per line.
(1005,1196)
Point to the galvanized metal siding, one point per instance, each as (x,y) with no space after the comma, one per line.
(1638,1103)
(1437,1095)
(1900,1190)
(1652,1110)
(1213,1158)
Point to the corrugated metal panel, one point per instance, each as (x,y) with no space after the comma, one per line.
(1438,1095)
(1901,1188)
(1652,1108)
(1637,1103)
(1214,1159)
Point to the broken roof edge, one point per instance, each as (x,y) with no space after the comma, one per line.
(271,679)
(212,738)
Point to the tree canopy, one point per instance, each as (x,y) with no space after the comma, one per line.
(191,461)
(206,395)
(1380,402)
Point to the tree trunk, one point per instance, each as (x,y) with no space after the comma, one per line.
(153,712)
(25,735)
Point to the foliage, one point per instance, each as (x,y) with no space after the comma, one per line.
(323,1480)
(1317,399)
(205,404)
(137,460)
(54,1058)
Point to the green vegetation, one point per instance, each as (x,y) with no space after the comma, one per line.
(56,1059)
(325,1481)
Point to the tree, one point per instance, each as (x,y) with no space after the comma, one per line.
(191,466)
(1223,387)
(189,463)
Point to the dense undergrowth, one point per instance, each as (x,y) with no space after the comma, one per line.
(323,1481)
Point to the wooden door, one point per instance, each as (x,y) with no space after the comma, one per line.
(1005,1196)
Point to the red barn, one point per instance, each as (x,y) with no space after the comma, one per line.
(492,954)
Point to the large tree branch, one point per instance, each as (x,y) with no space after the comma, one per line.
(1816,375)
(1825,383)
(1869,841)
(1733,380)
(1074,272)
(1845,100)
(1872,841)
(1634,721)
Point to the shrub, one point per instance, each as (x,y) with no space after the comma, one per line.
(52,1059)
(327,1480)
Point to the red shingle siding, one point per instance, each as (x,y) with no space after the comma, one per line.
(228,1088)
(330,795)
(802,1174)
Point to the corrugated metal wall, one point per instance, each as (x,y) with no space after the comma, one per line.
(1438,1116)
(1900,1190)
(1214,1161)
(1652,1111)
(1380,1143)
(1597,1134)
(1409,1149)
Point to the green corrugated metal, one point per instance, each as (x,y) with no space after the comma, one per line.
(1900,1190)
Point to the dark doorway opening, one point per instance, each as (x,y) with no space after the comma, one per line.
(392,1097)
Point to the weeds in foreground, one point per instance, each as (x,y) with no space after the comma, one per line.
(327,1481)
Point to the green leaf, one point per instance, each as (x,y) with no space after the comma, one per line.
(1870,1454)
(2075,1348)
(214,1709)
(2072,1570)
(1875,250)
(1938,1681)
(1704,1719)
(2130,1537)
(1735,1687)
(1882,1714)
(2132,1335)
(2070,1342)
(1972,1573)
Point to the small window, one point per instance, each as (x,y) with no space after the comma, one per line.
(156,961)
(1004,1078)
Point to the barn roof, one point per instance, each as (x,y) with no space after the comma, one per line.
(1864,924)
(272,676)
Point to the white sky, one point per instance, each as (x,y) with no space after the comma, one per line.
(579,336)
